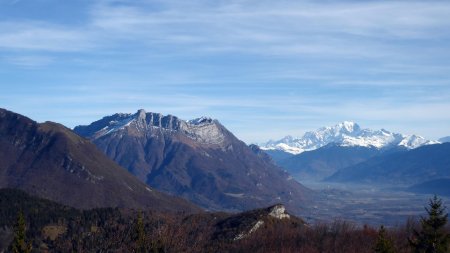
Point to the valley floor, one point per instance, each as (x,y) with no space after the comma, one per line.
(364,204)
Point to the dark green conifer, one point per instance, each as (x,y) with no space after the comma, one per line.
(432,238)
(140,234)
(383,244)
(19,244)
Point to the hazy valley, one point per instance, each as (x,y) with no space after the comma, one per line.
(367,176)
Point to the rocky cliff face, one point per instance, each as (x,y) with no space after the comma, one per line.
(202,130)
(199,160)
(242,225)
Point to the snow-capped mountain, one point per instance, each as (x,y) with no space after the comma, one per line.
(203,130)
(346,134)
(199,160)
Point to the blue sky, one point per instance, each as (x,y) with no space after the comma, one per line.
(265,69)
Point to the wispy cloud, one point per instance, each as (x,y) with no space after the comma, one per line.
(30,61)
(286,65)
(284,27)
(41,36)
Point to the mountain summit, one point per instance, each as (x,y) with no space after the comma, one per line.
(51,161)
(346,134)
(203,130)
(198,159)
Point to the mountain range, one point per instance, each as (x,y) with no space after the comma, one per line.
(346,134)
(407,168)
(149,160)
(321,153)
(323,162)
(439,186)
(50,161)
(199,160)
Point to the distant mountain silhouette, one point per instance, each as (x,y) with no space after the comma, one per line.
(445,139)
(440,187)
(278,156)
(405,167)
(318,164)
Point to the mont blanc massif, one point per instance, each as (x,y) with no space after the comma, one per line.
(201,189)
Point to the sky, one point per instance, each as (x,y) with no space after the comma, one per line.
(264,69)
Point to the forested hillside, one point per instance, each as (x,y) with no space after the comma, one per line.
(51,227)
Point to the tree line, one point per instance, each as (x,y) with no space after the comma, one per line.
(43,226)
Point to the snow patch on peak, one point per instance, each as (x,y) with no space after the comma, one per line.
(415,141)
(347,126)
(201,120)
(288,138)
(346,134)
(285,147)
(121,121)
(204,130)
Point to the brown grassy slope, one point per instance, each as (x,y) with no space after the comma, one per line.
(50,161)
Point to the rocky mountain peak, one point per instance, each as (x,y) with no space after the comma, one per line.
(348,127)
(344,128)
(203,129)
(279,212)
(201,120)
(141,114)
(198,159)
(347,134)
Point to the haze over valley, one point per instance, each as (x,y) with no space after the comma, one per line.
(224,126)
